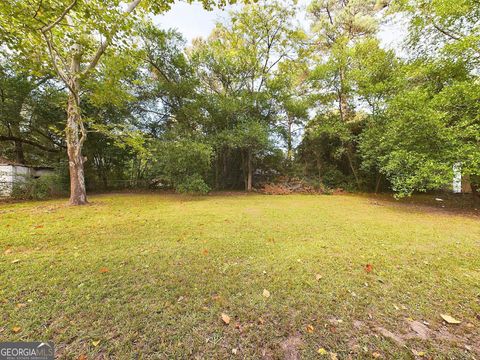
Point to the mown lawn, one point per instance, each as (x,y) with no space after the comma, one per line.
(148,276)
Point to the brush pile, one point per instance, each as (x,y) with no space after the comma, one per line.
(286,186)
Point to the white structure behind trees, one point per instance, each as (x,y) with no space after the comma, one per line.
(12,173)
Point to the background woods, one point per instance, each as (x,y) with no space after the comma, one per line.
(264,97)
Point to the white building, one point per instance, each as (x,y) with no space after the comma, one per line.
(12,173)
(461,183)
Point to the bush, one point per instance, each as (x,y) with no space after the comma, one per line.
(193,184)
(36,189)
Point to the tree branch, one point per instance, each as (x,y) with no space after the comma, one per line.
(445,32)
(60,18)
(103,45)
(52,53)
(29,142)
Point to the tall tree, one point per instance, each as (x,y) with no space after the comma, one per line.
(235,67)
(72,37)
(338,26)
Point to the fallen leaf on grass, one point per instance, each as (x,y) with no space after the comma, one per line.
(450,320)
(333,356)
(16,329)
(388,334)
(322,351)
(82,357)
(310,329)
(104,270)
(418,353)
(95,342)
(38,226)
(368,268)
(420,329)
(376,355)
(205,252)
(20,305)
(15,261)
(266,293)
(226,318)
(318,277)
(8,251)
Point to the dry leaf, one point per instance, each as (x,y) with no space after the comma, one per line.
(266,293)
(333,356)
(16,329)
(376,355)
(104,270)
(322,351)
(420,329)
(318,277)
(8,251)
(38,226)
(226,318)
(449,319)
(15,261)
(82,357)
(234,351)
(21,305)
(205,251)
(368,268)
(310,329)
(95,343)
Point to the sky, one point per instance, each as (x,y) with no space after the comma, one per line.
(193,21)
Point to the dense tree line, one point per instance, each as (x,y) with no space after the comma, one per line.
(262,97)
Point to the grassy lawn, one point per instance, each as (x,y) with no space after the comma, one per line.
(148,276)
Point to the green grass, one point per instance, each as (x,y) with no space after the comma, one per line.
(176,263)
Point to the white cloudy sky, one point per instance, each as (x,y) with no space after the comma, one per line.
(193,21)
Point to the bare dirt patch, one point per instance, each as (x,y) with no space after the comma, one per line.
(291,347)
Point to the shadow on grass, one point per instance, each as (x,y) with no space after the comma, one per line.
(455,204)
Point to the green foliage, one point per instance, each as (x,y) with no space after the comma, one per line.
(258,98)
(193,184)
(443,28)
(41,188)
(426,129)
(182,163)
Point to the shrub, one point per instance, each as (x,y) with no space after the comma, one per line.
(36,188)
(193,184)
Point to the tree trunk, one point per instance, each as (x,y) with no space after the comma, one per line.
(475,192)
(217,170)
(290,141)
(75,136)
(342,98)
(19,154)
(249,171)
(318,159)
(319,167)
(352,166)
(379,181)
